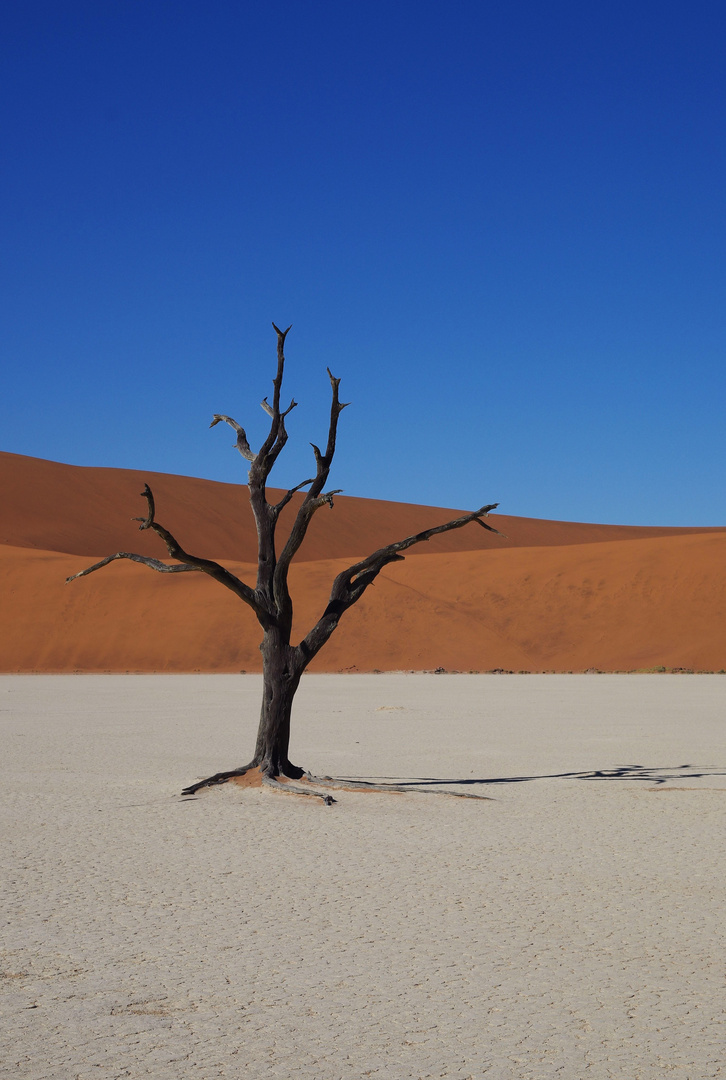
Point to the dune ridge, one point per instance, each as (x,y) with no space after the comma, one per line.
(82,510)
(575,597)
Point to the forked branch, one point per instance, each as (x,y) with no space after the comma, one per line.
(277,436)
(358,577)
(350,585)
(315,498)
(188,562)
(289,494)
(263,461)
(272,572)
(390,553)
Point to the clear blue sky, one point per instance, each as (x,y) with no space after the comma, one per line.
(501,224)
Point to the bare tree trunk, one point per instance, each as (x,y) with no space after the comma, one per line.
(281,677)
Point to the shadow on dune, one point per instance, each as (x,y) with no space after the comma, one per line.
(651,774)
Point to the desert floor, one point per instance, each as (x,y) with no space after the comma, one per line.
(571,925)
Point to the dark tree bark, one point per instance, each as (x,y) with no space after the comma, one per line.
(282,662)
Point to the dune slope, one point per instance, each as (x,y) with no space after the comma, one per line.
(552,596)
(88,511)
(619,605)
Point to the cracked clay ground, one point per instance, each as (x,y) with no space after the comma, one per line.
(571,927)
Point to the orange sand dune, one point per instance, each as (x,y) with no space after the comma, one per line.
(88,511)
(616,605)
(552,596)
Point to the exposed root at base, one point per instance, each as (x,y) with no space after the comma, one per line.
(296,789)
(218,778)
(253,776)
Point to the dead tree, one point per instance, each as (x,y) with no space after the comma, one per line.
(282,662)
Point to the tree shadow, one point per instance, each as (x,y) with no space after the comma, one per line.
(652,774)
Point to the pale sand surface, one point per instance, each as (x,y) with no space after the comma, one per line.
(570,927)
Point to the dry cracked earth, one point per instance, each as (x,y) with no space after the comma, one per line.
(570,925)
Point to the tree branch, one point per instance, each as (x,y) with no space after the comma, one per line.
(288,495)
(189,562)
(418,538)
(266,515)
(153,564)
(350,584)
(277,436)
(271,412)
(314,499)
(242,445)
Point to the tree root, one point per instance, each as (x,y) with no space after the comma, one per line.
(218,778)
(296,789)
(368,785)
(282,783)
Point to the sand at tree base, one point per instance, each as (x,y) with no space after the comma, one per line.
(572,926)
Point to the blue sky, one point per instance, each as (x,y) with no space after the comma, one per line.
(502,225)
